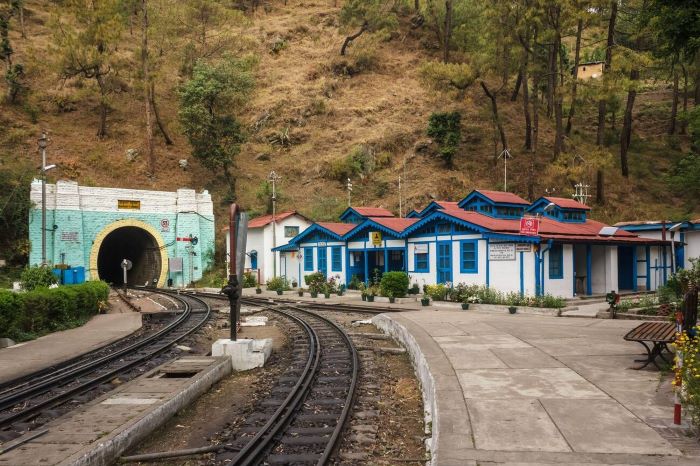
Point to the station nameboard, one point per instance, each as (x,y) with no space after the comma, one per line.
(502,251)
(128,204)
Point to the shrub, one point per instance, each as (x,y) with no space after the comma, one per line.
(446,129)
(24,316)
(278,284)
(249,280)
(688,374)
(394,284)
(436,292)
(354,283)
(415,289)
(37,276)
(315,281)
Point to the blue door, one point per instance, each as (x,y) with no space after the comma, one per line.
(322,261)
(625,264)
(444,261)
(253,260)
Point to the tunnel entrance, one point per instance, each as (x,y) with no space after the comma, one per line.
(135,244)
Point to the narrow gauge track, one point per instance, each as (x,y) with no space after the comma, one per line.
(338,307)
(26,401)
(302,419)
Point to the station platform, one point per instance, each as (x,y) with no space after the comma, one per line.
(97,433)
(54,348)
(527,389)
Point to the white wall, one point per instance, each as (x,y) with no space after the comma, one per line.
(560,286)
(692,248)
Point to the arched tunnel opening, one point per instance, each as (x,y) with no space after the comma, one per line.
(135,244)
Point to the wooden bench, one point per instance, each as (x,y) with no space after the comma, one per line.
(658,334)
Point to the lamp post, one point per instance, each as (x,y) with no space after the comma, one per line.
(43,143)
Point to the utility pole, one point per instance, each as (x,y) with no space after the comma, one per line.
(400,199)
(274,178)
(349,188)
(43,143)
(506,155)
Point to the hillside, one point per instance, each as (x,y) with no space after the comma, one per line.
(308,113)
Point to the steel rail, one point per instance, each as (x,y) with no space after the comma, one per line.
(72,374)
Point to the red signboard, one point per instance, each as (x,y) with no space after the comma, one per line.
(529,226)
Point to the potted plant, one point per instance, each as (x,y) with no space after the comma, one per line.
(341,290)
(326,290)
(314,294)
(278,284)
(295,283)
(301,292)
(512,309)
(425,300)
(279,292)
(258,290)
(465,304)
(370,298)
(391,297)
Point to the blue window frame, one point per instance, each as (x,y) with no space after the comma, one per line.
(322,260)
(336,259)
(556,261)
(444,261)
(469,256)
(421,262)
(308,259)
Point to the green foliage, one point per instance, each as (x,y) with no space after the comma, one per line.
(314,281)
(354,283)
(24,316)
(436,292)
(15,205)
(264,195)
(278,284)
(446,129)
(486,295)
(361,162)
(36,277)
(376,15)
(249,280)
(394,284)
(209,102)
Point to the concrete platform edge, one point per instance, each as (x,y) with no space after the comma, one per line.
(392,326)
(108,451)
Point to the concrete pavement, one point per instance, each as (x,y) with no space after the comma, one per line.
(25,358)
(526,389)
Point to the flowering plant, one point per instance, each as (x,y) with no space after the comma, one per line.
(687,374)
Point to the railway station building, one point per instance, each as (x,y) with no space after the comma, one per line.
(481,240)
(168,236)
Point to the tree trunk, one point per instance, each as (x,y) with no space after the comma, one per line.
(600,187)
(600,137)
(352,37)
(518,83)
(102,130)
(535,136)
(159,122)
(526,107)
(674,103)
(551,80)
(21,21)
(147,90)
(416,5)
(494,109)
(626,134)
(448,30)
(558,98)
(684,122)
(574,83)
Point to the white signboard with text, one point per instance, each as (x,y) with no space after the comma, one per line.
(502,251)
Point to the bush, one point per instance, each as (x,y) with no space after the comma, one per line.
(315,281)
(37,276)
(688,374)
(278,284)
(354,283)
(394,284)
(436,292)
(446,129)
(249,280)
(24,316)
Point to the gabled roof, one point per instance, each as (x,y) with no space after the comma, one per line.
(565,203)
(366,212)
(503,197)
(340,229)
(396,224)
(260,222)
(494,197)
(435,205)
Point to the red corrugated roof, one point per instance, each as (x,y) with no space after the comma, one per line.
(373,211)
(394,223)
(503,197)
(589,229)
(259,222)
(338,228)
(606,239)
(567,203)
(447,205)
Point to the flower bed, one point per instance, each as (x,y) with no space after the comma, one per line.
(479,294)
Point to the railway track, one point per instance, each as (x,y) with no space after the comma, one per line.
(302,419)
(32,401)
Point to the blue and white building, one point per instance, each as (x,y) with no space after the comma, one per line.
(478,240)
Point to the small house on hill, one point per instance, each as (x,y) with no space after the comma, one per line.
(590,70)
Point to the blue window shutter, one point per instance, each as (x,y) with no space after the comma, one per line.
(421,262)
(336,259)
(556,261)
(308,259)
(469,257)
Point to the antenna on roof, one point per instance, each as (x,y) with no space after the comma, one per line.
(506,155)
(581,194)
